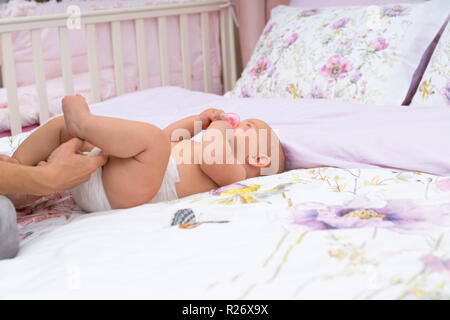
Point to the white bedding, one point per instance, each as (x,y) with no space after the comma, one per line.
(266,238)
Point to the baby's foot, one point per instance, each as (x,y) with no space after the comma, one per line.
(76,112)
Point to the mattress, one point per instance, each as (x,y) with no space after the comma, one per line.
(340,233)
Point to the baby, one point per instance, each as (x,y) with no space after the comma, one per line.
(147,164)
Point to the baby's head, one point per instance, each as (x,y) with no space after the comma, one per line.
(263,152)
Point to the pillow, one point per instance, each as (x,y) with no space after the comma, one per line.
(434,88)
(330,3)
(426,56)
(358,54)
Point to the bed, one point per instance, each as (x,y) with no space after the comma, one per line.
(353,229)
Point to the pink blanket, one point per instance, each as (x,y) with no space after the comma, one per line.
(315,133)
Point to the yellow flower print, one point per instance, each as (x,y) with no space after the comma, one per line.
(426,89)
(247,194)
(294,91)
(364,214)
(252,188)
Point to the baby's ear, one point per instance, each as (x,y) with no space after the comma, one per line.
(260,161)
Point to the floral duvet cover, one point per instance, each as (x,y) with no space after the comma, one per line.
(312,233)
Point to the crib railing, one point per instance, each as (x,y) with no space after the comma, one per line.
(88,20)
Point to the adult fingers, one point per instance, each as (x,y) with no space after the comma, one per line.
(73,145)
(97,161)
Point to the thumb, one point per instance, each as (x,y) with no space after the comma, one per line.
(73,144)
(98,160)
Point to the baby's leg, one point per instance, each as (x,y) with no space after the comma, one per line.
(42,142)
(138,153)
(38,147)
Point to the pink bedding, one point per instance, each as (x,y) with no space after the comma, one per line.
(23,55)
(315,133)
(28,100)
(24,129)
(23,52)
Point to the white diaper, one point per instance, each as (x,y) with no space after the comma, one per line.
(91,196)
(167,191)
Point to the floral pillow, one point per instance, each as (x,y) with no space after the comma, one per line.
(434,89)
(358,54)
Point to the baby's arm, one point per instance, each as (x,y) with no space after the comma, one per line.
(216,151)
(189,127)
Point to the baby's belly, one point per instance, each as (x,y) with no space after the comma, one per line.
(192,178)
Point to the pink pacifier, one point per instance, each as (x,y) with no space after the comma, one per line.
(232,118)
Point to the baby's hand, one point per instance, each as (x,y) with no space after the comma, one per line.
(210,115)
(6,158)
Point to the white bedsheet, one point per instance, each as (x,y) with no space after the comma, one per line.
(267,238)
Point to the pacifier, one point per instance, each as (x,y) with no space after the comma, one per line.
(231,118)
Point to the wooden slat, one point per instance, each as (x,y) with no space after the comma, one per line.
(66,61)
(91,44)
(232,48)
(206,50)
(109,15)
(163,51)
(118,57)
(224,49)
(141,50)
(9,80)
(39,74)
(185,51)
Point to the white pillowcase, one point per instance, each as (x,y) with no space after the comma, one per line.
(434,89)
(358,54)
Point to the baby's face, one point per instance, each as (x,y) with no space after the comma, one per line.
(261,144)
(251,124)
(251,131)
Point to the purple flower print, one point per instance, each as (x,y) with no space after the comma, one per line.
(245,93)
(340,23)
(378,44)
(289,41)
(317,93)
(395,11)
(336,67)
(269,28)
(234,186)
(446,92)
(398,214)
(436,264)
(261,66)
(354,78)
(308,13)
(272,71)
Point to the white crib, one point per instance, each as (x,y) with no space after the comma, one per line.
(88,20)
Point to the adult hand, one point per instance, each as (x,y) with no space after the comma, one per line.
(67,168)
